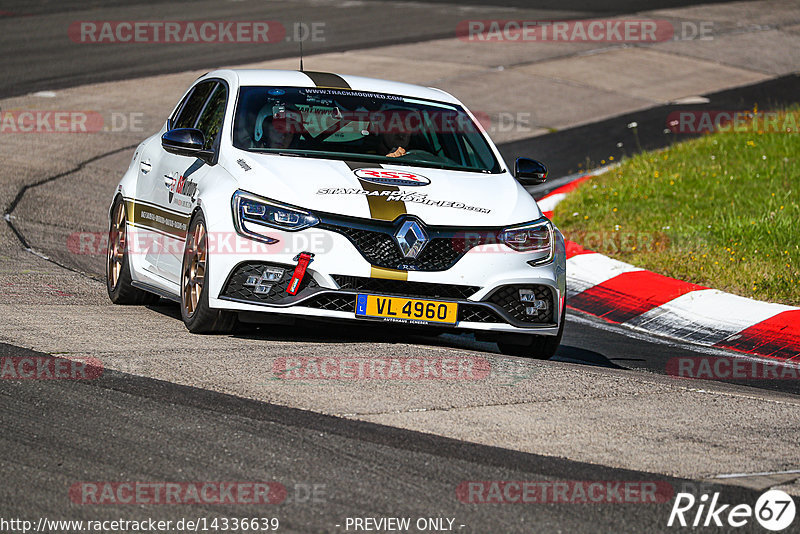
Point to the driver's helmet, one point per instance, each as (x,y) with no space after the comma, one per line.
(283,117)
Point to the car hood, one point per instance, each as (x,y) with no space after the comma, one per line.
(448,198)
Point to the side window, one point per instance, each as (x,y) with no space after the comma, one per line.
(194,105)
(210,121)
(181,105)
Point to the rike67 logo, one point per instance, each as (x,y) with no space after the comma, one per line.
(774,510)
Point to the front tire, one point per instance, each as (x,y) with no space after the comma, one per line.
(198,317)
(537,347)
(118,271)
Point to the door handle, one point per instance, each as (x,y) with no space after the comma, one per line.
(145,166)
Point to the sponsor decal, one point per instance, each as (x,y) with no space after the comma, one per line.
(243,164)
(402,196)
(160,220)
(182,186)
(389,177)
(155,218)
(378,209)
(348,92)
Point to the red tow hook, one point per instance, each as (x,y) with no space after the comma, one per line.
(302,259)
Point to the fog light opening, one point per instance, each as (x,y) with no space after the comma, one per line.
(262,289)
(263,283)
(532,305)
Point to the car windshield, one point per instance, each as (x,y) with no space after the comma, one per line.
(364,126)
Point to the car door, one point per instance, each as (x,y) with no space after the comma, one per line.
(183,176)
(154,219)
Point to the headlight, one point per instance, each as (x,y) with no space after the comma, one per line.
(536,237)
(251,213)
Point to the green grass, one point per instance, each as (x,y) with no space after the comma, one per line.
(721,211)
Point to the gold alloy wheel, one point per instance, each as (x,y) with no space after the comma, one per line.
(194,269)
(116,246)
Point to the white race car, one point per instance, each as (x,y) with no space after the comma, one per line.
(270,196)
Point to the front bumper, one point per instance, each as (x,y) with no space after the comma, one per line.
(484,281)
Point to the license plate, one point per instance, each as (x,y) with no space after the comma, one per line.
(405,310)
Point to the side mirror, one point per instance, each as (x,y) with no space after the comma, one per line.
(529,171)
(186,142)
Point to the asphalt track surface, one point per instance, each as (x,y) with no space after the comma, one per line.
(45,58)
(120,426)
(130,427)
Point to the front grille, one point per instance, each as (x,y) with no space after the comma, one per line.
(406,289)
(507,297)
(332,302)
(235,288)
(375,241)
(381,250)
(347,303)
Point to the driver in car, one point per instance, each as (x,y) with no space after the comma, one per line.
(396,143)
(279,129)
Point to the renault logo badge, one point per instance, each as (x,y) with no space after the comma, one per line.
(411,238)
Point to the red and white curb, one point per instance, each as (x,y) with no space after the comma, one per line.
(623,294)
